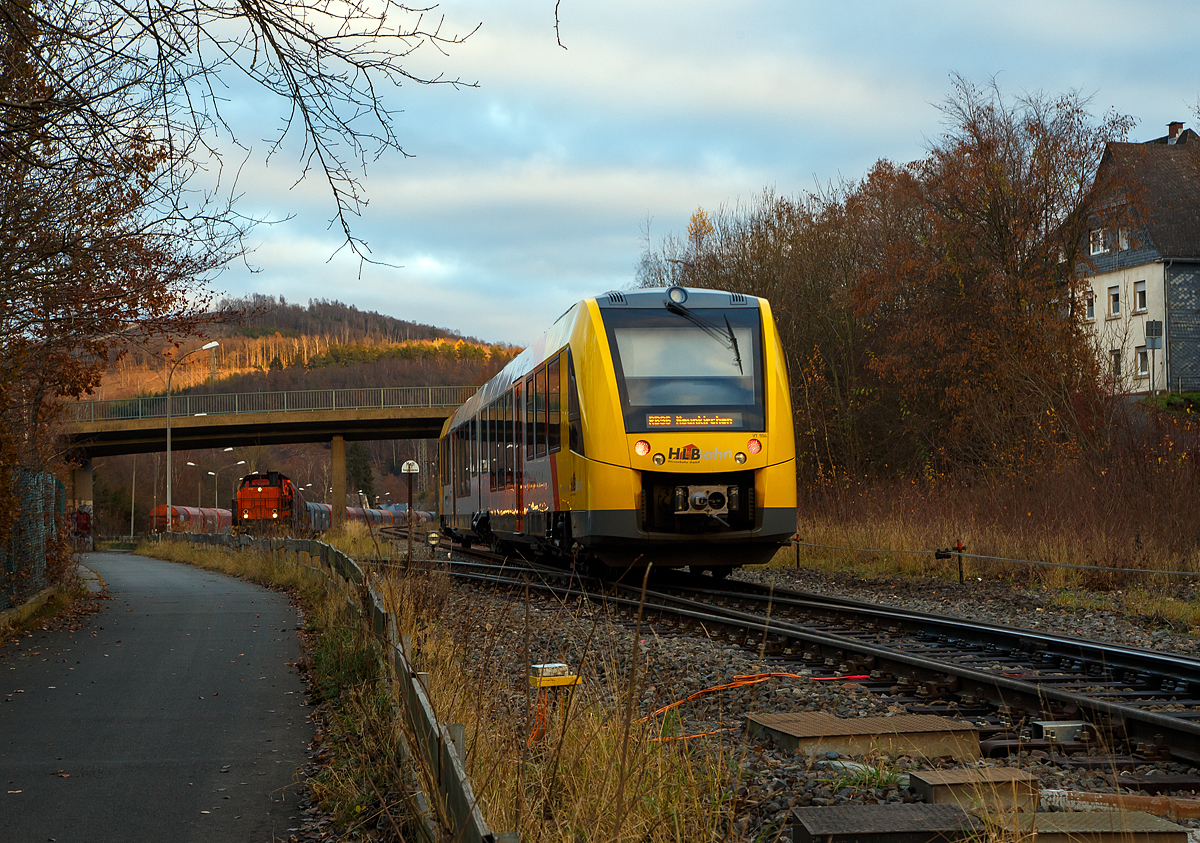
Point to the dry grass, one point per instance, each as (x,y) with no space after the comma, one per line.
(1066,520)
(270,569)
(579,767)
(361,541)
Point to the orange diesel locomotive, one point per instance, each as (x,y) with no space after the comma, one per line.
(268,503)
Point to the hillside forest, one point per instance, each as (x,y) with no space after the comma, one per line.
(269,344)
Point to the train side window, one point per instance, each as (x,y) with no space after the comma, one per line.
(530,416)
(444,451)
(485,447)
(553,407)
(574,420)
(473,447)
(462,461)
(541,412)
(494,439)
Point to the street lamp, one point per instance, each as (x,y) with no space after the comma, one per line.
(199,481)
(216,505)
(170,511)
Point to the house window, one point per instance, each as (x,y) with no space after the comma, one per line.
(1116,362)
(1096,241)
(1143,362)
(1089,303)
(1139,297)
(1114,301)
(1122,239)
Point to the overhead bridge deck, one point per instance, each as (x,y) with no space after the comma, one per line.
(138,425)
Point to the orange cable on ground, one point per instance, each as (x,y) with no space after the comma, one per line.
(744,680)
(689,737)
(539,720)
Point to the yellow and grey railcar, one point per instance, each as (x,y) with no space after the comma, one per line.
(646,426)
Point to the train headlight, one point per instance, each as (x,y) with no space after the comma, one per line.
(659,459)
(641,447)
(754,446)
(677,294)
(739,458)
(274,513)
(699,500)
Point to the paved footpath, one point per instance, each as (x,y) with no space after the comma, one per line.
(172,715)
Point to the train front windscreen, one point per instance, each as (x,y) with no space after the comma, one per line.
(688,368)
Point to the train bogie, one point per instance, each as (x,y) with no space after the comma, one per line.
(652,426)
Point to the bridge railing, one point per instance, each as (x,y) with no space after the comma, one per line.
(237,403)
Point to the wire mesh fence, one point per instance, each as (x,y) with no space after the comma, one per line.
(41,507)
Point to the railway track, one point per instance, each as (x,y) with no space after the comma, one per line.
(1138,705)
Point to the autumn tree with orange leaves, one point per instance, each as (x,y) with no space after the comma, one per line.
(973,330)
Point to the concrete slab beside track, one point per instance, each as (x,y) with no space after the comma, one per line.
(172,714)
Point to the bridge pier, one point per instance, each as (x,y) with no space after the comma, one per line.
(337,474)
(81,494)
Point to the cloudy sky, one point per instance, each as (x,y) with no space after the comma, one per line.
(537,188)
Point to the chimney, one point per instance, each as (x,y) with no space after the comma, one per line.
(1173,130)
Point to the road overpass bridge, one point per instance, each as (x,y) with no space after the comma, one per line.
(139,425)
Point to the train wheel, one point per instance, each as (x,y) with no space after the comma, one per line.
(697,569)
(722,572)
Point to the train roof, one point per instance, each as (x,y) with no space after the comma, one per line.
(658,297)
(557,335)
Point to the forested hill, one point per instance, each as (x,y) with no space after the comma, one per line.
(367,365)
(267,315)
(273,345)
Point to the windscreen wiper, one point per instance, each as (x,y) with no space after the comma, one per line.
(726,337)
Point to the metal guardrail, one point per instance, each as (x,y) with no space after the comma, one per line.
(440,745)
(240,403)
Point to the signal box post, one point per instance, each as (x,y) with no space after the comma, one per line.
(408,470)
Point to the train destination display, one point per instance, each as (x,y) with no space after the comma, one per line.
(683,421)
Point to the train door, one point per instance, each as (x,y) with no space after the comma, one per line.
(480,464)
(518,436)
(452,482)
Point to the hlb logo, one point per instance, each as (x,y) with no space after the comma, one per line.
(690,453)
(687,453)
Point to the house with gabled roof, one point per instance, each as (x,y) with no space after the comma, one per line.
(1146,270)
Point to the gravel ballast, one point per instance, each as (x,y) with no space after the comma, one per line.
(769,782)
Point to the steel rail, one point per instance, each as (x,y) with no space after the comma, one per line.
(1114,656)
